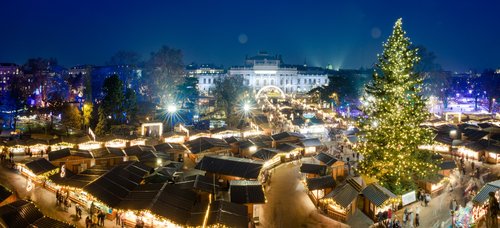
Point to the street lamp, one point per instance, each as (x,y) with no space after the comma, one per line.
(246,107)
(171,109)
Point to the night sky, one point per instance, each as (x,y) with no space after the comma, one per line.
(347,34)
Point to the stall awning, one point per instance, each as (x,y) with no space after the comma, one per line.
(313,168)
(482,196)
(265,154)
(230,166)
(227,214)
(343,195)
(326,158)
(322,182)
(39,166)
(24,213)
(449,164)
(377,194)
(311,142)
(202,144)
(246,192)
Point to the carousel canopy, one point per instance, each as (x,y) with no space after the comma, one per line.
(320,182)
(343,195)
(243,191)
(326,158)
(24,213)
(377,194)
(230,166)
(482,195)
(313,168)
(265,154)
(202,144)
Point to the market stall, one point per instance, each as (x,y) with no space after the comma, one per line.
(480,204)
(116,143)
(340,204)
(377,199)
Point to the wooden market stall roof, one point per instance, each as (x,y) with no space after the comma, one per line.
(312,168)
(286,134)
(230,166)
(326,158)
(482,195)
(39,165)
(116,184)
(321,182)
(448,164)
(66,152)
(243,191)
(377,194)
(227,214)
(4,193)
(287,147)
(201,144)
(343,195)
(78,180)
(265,153)
(165,200)
(200,183)
(24,213)
(309,142)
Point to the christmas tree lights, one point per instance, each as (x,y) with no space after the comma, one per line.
(394,110)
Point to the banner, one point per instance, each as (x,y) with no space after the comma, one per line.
(408,198)
(91,133)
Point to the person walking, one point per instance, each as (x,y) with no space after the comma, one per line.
(472,165)
(94,219)
(411,219)
(493,208)
(427,199)
(88,222)
(417,220)
(118,218)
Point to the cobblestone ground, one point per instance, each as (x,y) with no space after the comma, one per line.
(288,204)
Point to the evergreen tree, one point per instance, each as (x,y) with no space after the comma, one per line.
(394,109)
(130,105)
(103,123)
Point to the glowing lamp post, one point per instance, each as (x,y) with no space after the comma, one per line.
(172,110)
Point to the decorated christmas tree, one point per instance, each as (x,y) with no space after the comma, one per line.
(393,110)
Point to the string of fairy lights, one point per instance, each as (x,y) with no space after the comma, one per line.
(394,111)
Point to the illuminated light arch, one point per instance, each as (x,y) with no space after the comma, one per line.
(159,125)
(270,87)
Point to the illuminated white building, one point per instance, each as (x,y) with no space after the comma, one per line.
(264,71)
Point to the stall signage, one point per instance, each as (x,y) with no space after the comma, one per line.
(408,198)
(309,115)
